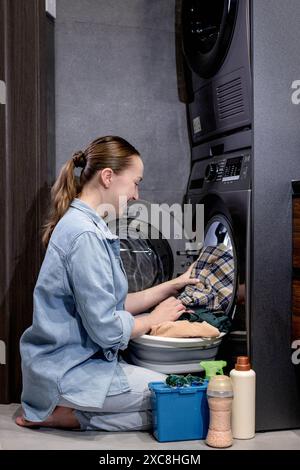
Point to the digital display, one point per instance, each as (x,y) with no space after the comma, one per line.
(232,169)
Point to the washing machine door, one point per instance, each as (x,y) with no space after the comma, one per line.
(218,231)
(150,253)
(147,261)
(207,30)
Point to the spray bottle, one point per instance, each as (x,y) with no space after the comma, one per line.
(213,368)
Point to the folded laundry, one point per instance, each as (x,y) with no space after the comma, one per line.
(215,270)
(184,329)
(200,314)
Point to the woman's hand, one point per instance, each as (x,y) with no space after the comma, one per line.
(138,302)
(181,281)
(168,310)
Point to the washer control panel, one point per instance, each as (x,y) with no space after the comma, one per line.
(227,170)
(223,172)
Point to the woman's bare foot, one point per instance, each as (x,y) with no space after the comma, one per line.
(62,417)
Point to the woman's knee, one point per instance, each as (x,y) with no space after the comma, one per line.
(139,377)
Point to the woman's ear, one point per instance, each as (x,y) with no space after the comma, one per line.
(105,177)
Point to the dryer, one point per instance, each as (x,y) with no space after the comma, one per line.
(215,42)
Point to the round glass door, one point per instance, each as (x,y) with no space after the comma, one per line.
(147,261)
(207,29)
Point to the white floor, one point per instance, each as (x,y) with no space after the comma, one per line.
(13,437)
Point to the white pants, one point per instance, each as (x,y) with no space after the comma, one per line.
(129,411)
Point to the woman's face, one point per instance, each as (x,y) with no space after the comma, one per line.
(123,187)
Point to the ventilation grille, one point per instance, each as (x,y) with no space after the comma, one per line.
(230,100)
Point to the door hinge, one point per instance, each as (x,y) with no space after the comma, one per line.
(2,92)
(2,352)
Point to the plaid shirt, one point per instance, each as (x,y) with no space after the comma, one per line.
(215,270)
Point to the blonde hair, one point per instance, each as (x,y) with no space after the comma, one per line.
(105,152)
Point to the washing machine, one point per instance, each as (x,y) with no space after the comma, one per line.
(154,250)
(215,45)
(222,183)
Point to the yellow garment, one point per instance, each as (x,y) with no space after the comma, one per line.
(184,329)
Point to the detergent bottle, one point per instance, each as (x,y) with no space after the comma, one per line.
(243,406)
(219,396)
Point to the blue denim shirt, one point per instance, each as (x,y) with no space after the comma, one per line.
(79,322)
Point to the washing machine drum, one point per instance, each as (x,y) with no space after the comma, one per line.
(147,261)
(207,29)
(150,240)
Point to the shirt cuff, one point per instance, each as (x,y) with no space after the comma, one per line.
(127,321)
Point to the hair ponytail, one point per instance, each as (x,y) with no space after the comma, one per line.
(64,190)
(105,152)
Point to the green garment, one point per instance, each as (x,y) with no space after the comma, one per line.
(181,381)
(217,319)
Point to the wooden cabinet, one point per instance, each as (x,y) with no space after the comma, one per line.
(296,262)
(23,175)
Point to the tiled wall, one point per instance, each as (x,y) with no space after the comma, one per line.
(116,74)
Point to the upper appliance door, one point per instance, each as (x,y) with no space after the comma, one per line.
(207,29)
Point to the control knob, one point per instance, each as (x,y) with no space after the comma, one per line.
(211,172)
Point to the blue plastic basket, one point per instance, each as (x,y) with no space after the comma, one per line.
(179,413)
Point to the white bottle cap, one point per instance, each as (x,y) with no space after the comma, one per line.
(220,386)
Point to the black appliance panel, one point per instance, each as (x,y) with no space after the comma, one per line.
(216,46)
(207,29)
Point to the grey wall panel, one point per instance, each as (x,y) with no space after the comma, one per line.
(116,74)
(145,14)
(162,196)
(276,150)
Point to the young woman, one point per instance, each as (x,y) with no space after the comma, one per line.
(83,315)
